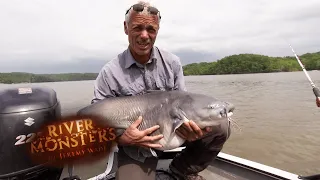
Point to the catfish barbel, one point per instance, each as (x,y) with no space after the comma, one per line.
(168,109)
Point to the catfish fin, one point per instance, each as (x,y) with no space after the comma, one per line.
(176,124)
(178,117)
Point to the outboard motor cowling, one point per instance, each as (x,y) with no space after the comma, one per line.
(23,111)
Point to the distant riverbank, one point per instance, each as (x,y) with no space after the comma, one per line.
(22,77)
(235,64)
(253,63)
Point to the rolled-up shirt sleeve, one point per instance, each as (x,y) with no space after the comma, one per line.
(179,81)
(102,88)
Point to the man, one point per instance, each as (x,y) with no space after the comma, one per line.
(144,67)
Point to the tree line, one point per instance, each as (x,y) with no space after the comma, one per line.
(253,63)
(22,77)
(234,64)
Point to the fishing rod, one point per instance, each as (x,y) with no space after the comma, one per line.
(315,89)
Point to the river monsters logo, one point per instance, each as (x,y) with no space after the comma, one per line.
(70,139)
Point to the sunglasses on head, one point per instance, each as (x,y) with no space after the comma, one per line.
(140,8)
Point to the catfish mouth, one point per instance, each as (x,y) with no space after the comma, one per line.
(220,114)
(227,110)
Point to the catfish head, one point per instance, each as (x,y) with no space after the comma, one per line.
(204,110)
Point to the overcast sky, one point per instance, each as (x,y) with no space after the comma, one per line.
(54,36)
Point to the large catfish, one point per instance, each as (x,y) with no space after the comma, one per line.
(168,109)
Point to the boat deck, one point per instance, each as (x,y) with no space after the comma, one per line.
(222,169)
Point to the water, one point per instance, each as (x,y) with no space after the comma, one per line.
(277,113)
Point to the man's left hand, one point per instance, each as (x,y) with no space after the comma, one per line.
(191,132)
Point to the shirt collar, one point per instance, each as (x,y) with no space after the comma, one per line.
(129,60)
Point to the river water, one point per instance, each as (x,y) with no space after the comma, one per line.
(279,122)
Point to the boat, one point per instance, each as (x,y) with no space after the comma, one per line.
(224,167)
(21,108)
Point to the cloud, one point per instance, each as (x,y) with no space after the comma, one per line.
(54,36)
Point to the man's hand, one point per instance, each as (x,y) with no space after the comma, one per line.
(132,136)
(191,132)
(318,101)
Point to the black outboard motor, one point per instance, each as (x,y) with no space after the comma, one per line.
(23,111)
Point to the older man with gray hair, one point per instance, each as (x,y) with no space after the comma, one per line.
(142,67)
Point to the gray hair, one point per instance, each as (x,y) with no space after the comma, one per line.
(145,4)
